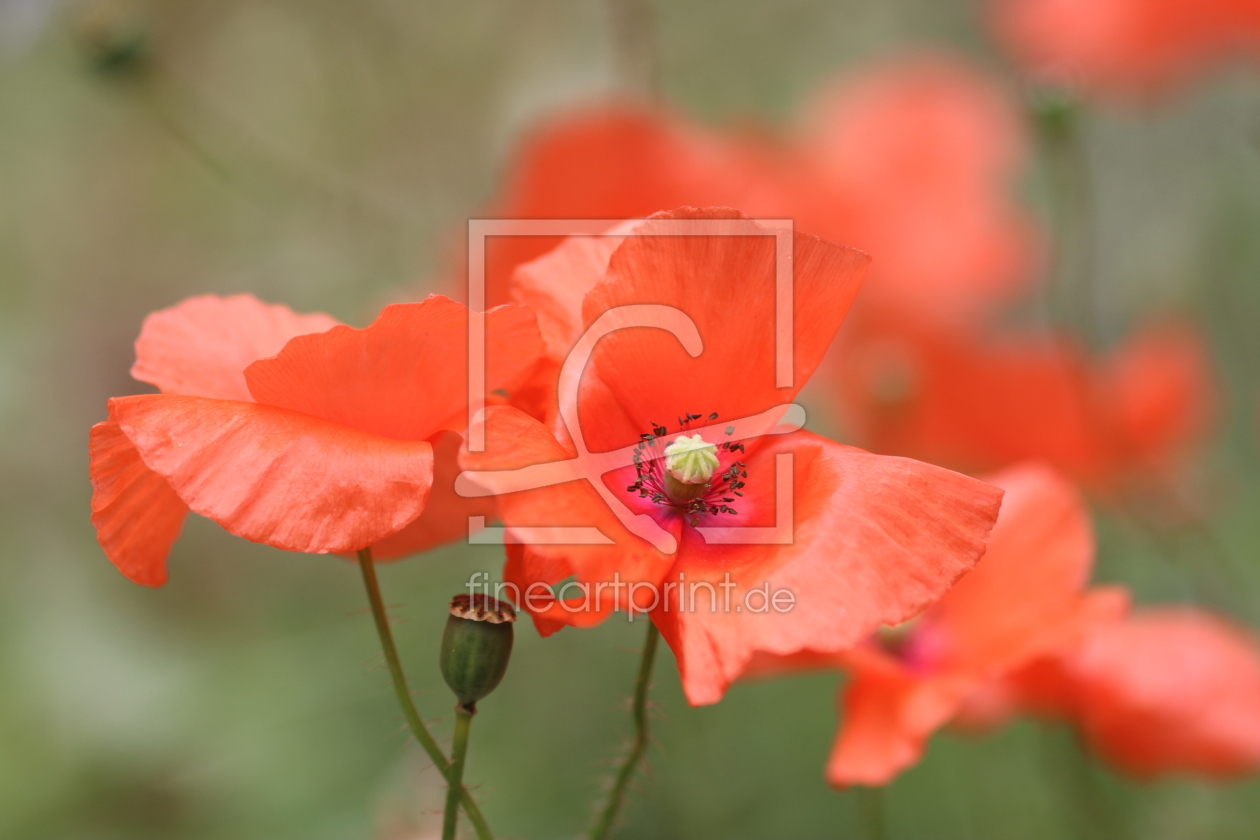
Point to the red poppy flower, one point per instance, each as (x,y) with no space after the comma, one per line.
(1165,690)
(908,387)
(873,540)
(1170,690)
(1127,46)
(327,446)
(616,161)
(913,160)
(910,161)
(1025,597)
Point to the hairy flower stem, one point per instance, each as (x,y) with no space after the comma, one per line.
(414,721)
(455,781)
(607,814)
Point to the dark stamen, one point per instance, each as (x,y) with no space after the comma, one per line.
(718,493)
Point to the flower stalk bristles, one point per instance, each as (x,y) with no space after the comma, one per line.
(638,746)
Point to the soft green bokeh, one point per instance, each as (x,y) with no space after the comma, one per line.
(324,154)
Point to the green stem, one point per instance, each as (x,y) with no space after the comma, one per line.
(414,721)
(607,814)
(1091,814)
(1074,221)
(455,781)
(872,800)
(635,58)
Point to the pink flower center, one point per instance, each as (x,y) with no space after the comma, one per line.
(695,498)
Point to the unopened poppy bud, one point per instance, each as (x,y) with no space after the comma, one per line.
(476,646)
(689,465)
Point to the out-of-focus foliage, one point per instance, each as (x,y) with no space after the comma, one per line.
(325,154)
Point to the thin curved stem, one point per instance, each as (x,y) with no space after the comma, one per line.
(873,812)
(455,781)
(1074,224)
(414,721)
(636,59)
(608,814)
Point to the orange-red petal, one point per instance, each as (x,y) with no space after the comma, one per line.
(201,347)
(886,721)
(1126,47)
(913,160)
(1170,690)
(403,377)
(987,401)
(446,513)
(555,285)
(1022,600)
(136,513)
(1027,584)
(876,539)
(276,476)
(618,161)
(726,284)
(515,440)
(1163,394)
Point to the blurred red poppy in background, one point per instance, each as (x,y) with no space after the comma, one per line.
(1126,46)
(874,539)
(914,160)
(1169,690)
(327,446)
(911,160)
(1164,690)
(1025,597)
(987,399)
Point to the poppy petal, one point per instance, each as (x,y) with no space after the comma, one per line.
(726,284)
(403,377)
(618,161)
(1029,581)
(201,347)
(1171,690)
(445,516)
(876,539)
(886,721)
(912,160)
(515,440)
(555,285)
(1040,686)
(136,513)
(279,477)
(987,401)
(1161,392)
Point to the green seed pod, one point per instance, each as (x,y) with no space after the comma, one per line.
(476,646)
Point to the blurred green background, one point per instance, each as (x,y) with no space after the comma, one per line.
(325,154)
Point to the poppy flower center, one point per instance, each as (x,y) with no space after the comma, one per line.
(913,642)
(687,474)
(689,465)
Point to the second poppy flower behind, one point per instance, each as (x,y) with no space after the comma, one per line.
(1156,692)
(847,540)
(343,440)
